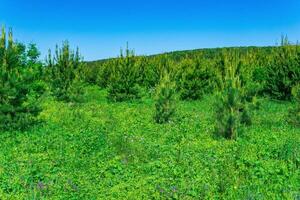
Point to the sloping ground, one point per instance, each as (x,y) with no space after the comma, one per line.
(100,150)
(206,52)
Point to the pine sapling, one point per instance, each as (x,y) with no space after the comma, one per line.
(123,78)
(234,103)
(164,100)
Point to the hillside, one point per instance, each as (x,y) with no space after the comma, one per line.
(206,52)
(203,124)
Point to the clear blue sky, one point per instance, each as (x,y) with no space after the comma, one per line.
(101,28)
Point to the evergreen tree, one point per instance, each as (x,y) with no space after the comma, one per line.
(64,73)
(232,106)
(284,72)
(123,80)
(105,71)
(164,100)
(18,107)
(195,79)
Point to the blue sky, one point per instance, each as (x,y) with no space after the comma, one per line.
(101,28)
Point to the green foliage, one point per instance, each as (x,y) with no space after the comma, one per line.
(195,78)
(269,70)
(228,116)
(296,92)
(294,114)
(233,102)
(109,150)
(104,72)
(19,89)
(151,70)
(283,72)
(123,85)
(64,73)
(115,151)
(164,100)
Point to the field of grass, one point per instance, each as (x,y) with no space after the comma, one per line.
(101,150)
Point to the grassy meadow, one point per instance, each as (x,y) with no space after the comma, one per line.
(104,150)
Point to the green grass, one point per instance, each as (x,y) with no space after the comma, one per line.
(101,150)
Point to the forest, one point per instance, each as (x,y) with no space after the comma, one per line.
(220,123)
